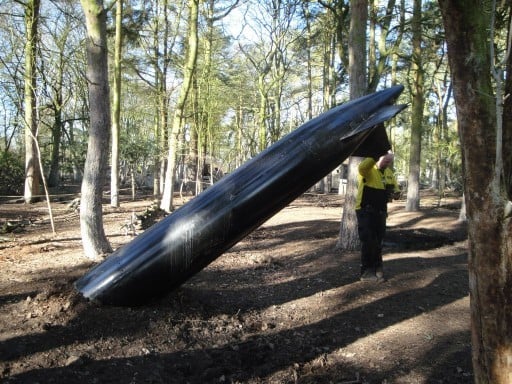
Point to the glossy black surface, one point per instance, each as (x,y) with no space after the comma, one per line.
(171,251)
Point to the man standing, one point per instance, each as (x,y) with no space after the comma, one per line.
(376,186)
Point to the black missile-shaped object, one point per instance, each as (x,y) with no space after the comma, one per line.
(183,243)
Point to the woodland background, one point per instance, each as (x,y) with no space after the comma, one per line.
(170,95)
(263,68)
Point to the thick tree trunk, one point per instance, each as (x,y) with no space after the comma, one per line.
(32,172)
(467,27)
(348,239)
(95,242)
(418,102)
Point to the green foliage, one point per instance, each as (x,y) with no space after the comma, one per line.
(136,151)
(12,174)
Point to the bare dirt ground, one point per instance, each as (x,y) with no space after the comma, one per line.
(281,306)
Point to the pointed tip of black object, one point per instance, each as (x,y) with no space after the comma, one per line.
(381,104)
(361,114)
(377,142)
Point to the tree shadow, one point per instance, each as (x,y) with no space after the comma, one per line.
(251,354)
(257,355)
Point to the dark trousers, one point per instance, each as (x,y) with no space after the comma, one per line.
(371,227)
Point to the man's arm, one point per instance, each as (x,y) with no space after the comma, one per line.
(366,166)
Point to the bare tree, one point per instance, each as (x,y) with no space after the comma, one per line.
(190,65)
(270,58)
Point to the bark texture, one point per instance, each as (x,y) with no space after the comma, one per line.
(116,108)
(418,103)
(95,242)
(32,173)
(349,239)
(467,25)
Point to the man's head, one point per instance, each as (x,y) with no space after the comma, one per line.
(385,160)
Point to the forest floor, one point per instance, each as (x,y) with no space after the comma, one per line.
(281,306)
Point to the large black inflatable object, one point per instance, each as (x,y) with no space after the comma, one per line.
(183,243)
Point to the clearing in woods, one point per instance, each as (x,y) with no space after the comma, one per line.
(281,306)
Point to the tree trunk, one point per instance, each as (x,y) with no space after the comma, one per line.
(116,107)
(95,242)
(166,203)
(262,112)
(309,47)
(328,74)
(57,128)
(54,175)
(161,136)
(467,27)
(349,239)
(32,173)
(418,102)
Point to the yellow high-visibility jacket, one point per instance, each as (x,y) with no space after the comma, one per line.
(374,185)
